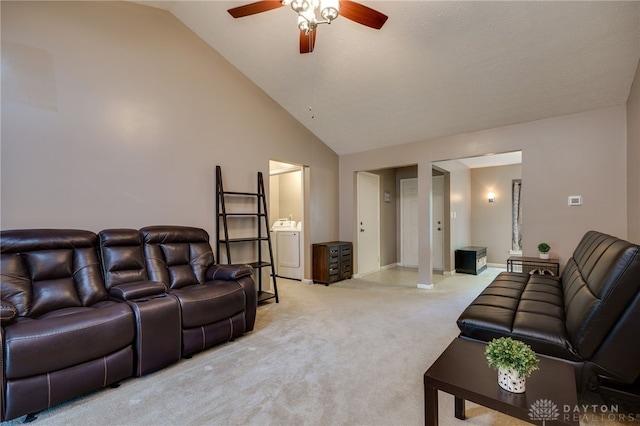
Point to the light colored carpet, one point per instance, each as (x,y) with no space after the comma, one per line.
(353,353)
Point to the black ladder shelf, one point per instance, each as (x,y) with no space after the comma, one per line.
(222,239)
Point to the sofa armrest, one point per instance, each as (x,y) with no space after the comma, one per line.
(228,272)
(137,290)
(7,312)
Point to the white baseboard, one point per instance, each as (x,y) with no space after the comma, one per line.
(358,275)
(406,266)
(307,281)
(390,266)
(425,286)
(497,265)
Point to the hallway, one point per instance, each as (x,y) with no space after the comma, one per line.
(408,277)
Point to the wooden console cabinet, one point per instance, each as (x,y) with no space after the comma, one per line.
(332,261)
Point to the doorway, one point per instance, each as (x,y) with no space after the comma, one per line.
(368,222)
(286,214)
(470,219)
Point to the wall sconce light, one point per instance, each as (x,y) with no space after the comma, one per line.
(492,197)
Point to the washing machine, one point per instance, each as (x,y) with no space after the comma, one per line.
(285,242)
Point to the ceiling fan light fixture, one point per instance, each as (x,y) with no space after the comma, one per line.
(307,20)
(312,13)
(300,6)
(303,24)
(329,9)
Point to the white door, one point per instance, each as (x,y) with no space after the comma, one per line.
(437,223)
(409,222)
(368,226)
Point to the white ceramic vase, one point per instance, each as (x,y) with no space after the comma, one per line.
(544,255)
(511,380)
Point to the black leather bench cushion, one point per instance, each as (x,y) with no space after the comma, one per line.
(526,307)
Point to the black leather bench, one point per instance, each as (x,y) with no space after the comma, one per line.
(588,316)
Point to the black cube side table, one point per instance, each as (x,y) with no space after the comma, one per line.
(471,260)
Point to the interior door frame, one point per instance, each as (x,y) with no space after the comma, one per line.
(304,199)
(438,245)
(359,193)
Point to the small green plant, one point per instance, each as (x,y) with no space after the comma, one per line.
(544,247)
(506,352)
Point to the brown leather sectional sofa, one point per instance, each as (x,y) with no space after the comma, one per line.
(589,316)
(81,311)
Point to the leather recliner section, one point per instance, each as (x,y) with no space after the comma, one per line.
(82,311)
(157,341)
(65,336)
(213,311)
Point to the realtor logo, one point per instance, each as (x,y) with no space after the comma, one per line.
(543,409)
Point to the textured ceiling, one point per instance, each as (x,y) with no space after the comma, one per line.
(434,69)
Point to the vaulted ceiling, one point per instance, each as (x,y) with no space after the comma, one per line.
(436,68)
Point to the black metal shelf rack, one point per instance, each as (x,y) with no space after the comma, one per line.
(222,232)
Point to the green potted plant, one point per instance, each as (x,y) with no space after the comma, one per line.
(543,249)
(514,360)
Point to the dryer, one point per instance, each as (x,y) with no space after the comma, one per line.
(286,245)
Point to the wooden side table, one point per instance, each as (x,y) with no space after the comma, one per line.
(462,370)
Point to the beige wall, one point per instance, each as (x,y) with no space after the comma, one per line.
(579,154)
(115,115)
(274,198)
(633,160)
(491,222)
(289,190)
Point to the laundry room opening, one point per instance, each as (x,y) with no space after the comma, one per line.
(286,213)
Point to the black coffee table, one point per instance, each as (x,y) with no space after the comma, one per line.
(462,370)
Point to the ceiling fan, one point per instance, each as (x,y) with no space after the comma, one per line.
(314,12)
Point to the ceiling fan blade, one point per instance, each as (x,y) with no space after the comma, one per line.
(307,41)
(362,14)
(253,8)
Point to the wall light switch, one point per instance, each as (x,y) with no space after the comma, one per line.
(575,200)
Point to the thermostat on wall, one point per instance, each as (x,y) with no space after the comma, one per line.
(575,200)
